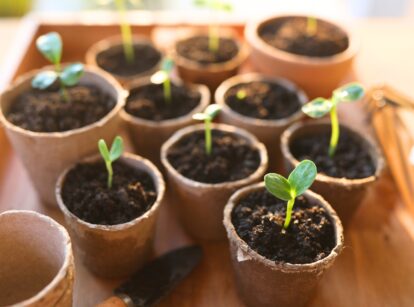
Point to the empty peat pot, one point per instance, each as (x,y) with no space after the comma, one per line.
(112,248)
(108,54)
(45,154)
(235,153)
(151,120)
(356,165)
(264,106)
(36,261)
(280,46)
(263,281)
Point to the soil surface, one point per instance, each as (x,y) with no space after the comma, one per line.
(47,110)
(86,194)
(289,34)
(113,60)
(148,102)
(258,219)
(232,158)
(351,159)
(196,49)
(263,100)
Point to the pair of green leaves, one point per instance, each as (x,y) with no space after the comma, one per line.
(164,73)
(207,116)
(216,5)
(111,155)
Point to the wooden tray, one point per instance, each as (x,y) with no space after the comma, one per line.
(375,269)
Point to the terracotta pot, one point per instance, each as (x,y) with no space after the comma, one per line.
(209,74)
(36,261)
(318,76)
(267,131)
(115,42)
(115,250)
(265,283)
(200,205)
(148,135)
(46,154)
(345,195)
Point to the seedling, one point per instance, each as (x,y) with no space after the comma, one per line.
(215,6)
(320,107)
(50,46)
(311,26)
(207,116)
(111,155)
(241,94)
(299,180)
(126,32)
(164,76)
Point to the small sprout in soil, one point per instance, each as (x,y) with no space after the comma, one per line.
(126,32)
(111,155)
(207,116)
(311,26)
(241,94)
(50,46)
(164,76)
(299,180)
(320,107)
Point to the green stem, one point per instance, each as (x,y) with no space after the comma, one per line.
(207,132)
(213,38)
(167,90)
(64,92)
(289,208)
(335,131)
(311,26)
(110,173)
(126,32)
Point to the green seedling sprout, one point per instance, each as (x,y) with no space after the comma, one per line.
(299,180)
(126,32)
(320,107)
(207,116)
(50,46)
(241,94)
(111,155)
(311,26)
(164,76)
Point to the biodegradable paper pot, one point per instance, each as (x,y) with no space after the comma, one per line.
(200,205)
(318,76)
(345,195)
(36,261)
(115,250)
(267,131)
(115,42)
(148,135)
(265,283)
(46,154)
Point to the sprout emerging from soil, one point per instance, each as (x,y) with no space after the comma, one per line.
(50,46)
(111,155)
(207,116)
(164,76)
(320,107)
(299,180)
(241,94)
(311,26)
(126,32)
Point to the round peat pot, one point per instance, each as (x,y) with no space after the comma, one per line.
(262,282)
(344,194)
(115,250)
(46,154)
(267,131)
(36,261)
(317,75)
(105,53)
(149,135)
(200,205)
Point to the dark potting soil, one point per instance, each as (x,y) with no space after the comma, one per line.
(113,60)
(263,100)
(148,102)
(259,217)
(86,194)
(289,34)
(47,110)
(196,49)
(351,159)
(232,158)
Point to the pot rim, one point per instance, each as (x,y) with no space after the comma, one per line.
(178,135)
(152,171)
(284,266)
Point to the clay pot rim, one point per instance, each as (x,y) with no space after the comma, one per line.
(284,266)
(252,77)
(253,37)
(172,122)
(153,172)
(227,184)
(345,182)
(67,262)
(94,71)
(115,41)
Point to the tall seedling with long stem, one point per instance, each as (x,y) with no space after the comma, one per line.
(126,32)
(207,116)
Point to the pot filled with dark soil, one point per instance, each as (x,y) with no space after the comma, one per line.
(202,183)
(112,228)
(317,62)
(262,105)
